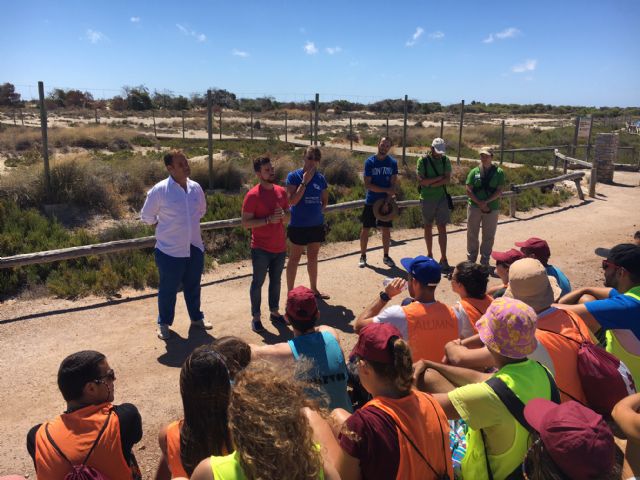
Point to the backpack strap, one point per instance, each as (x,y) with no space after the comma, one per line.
(84,462)
(513,403)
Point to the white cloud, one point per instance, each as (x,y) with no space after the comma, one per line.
(135,19)
(239,53)
(526,66)
(333,50)
(414,38)
(94,36)
(200,37)
(310,48)
(436,35)
(510,32)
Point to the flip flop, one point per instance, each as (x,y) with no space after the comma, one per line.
(321,295)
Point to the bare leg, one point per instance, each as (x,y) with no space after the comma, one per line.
(292,265)
(428,239)
(364,240)
(386,239)
(442,241)
(312,265)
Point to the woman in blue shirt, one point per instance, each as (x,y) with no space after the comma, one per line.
(308,197)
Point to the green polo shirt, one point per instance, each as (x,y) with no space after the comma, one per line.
(497,180)
(425,170)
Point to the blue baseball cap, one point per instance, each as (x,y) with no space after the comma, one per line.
(424,269)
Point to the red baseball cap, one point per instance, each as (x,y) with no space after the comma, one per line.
(578,440)
(507,257)
(537,246)
(373,343)
(302,305)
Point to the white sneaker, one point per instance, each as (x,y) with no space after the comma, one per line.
(363,261)
(163,331)
(202,323)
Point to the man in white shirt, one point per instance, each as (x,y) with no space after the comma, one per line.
(175,206)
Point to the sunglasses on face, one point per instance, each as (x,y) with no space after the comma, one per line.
(110,375)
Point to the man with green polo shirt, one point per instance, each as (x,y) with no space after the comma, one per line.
(434,173)
(484,187)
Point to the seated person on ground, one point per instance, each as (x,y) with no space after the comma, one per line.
(503,262)
(274,432)
(235,351)
(626,414)
(320,345)
(374,438)
(539,249)
(87,384)
(508,330)
(615,308)
(570,441)
(559,332)
(205,387)
(426,324)
(469,281)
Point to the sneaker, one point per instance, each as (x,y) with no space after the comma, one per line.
(256,326)
(277,319)
(445,267)
(202,323)
(163,331)
(388,261)
(363,261)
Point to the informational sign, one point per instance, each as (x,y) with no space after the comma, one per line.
(584,127)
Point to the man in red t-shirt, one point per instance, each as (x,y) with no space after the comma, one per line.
(265,210)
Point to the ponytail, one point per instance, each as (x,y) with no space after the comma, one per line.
(400,372)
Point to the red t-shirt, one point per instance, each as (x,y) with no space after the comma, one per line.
(262,202)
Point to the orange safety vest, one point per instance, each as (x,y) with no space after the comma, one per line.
(430,327)
(174,460)
(422,419)
(75,433)
(475,308)
(564,352)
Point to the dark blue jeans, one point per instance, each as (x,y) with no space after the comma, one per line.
(173,272)
(264,262)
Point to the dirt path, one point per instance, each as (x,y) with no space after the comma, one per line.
(35,335)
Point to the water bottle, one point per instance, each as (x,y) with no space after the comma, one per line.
(388,280)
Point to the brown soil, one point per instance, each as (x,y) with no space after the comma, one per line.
(37,334)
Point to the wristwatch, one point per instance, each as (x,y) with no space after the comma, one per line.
(384,297)
(303,184)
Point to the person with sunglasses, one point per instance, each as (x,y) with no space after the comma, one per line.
(91,431)
(614,309)
(503,262)
(308,197)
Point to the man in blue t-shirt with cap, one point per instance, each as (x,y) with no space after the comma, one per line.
(425,323)
(380,176)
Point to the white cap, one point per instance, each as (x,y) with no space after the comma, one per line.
(438,145)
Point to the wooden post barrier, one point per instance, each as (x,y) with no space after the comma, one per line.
(148,242)
(502,143)
(310,127)
(220,121)
(317,111)
(15,122)
(404,131)
(460,132)
(45,141)
(286,134)
(210,137)
(351,133)
(96,112)
(153,116)
(22,117)
(251,125)
(387,134)
(182,124)
(442,128)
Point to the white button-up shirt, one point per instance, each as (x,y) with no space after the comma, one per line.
(177,213)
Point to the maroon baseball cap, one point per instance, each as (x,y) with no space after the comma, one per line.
(373,343)
(537,246)
(507,257)
(302,305)
(578,440)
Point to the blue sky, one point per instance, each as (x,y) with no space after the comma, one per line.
(560,52)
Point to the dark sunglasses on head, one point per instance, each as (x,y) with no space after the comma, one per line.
(110,375)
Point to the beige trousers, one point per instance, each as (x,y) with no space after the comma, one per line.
(489,223)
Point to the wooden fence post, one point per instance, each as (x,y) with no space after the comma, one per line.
(22,117)
(351,133)
(460,132)
(404,131)
(155,133)
(210,137)
(502,143)
(512,206)
(387,134)
(15,122)
(286,132)
(182,124)
(45,141)
(593,179)
(310,127)
(220,118)
(251,125)
(575,138)
(96,112)
(578,187)
(442,128)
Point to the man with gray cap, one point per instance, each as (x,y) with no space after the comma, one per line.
(434,173)
(484,187)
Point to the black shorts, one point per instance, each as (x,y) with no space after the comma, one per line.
(369,220)
(306,235)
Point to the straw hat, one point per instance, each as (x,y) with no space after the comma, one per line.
(385,209)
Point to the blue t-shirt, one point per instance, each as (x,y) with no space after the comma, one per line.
(308,211)
(329,370)
(562,279)
(380,172)
(618,311)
